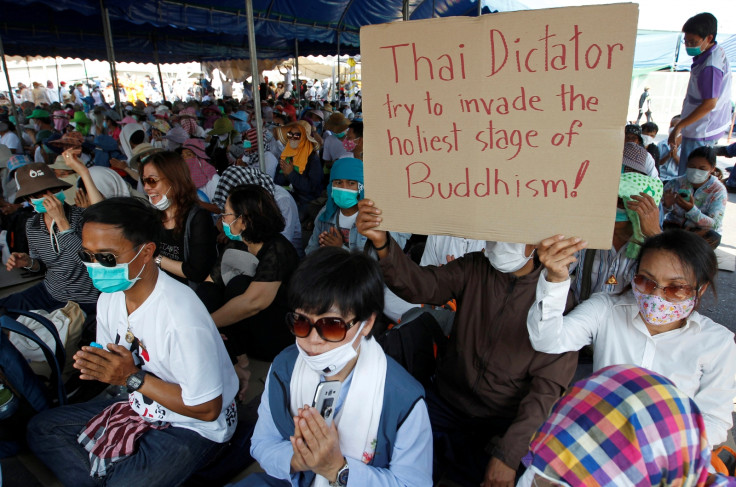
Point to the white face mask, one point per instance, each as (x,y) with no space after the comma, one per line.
(697,176)
(164,203)
(333,361)
(507,257)
(648,139)
(294,144)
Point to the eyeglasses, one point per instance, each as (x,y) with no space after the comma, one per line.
(223,215)
(150,180)
(105,259)
(330,329)
(294,135)
(672,294)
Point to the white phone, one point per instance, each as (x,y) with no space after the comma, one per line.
(325,399)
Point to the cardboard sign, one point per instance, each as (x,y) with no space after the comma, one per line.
(505,127)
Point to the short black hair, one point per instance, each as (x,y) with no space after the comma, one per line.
(691,251)
(334,277)
(649,127)
(137,137)
(357,128)
(261,215)
(139,221)
(702,25)
(707,153)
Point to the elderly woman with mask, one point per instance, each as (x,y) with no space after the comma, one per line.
(492,390)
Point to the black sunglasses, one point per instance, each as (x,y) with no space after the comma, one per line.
(330,329)
(105,259)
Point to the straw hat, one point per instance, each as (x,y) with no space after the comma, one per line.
(337,123)
(280,132)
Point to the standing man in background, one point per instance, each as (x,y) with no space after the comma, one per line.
(706,110)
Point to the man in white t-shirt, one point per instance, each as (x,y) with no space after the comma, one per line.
(160,342)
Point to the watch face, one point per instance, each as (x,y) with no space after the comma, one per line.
(134,382)
(342,477)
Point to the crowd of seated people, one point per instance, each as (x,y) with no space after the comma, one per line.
(190,256)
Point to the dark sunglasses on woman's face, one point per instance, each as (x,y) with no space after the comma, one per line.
(293,135)
(150,181)
(330,329)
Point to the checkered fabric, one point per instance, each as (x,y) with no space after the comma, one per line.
(623,426)
(235,176)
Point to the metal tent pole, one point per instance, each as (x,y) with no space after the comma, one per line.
(110,56)
(158,67)
(296,67)
(405,10)
(337,88)
(10,95)
(58,83)
(256,88)
(480,7)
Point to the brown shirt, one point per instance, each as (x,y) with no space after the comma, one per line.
(490,369)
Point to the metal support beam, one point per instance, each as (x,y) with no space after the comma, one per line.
(110,56)
(337,87)
(10,95)
(296,68)
(58,83)
(480,7)
(158,67)
(405,10)
(256,85)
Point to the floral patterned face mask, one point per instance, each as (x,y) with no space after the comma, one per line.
(657,311)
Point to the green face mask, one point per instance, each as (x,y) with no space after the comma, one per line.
(38,202)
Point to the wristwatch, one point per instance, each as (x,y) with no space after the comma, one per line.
(342,476)
(157,260)
(135,381)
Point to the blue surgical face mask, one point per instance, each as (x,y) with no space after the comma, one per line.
(112,279)
(229,233)
(38,202)
(341,134)
(345,198)
(621,215)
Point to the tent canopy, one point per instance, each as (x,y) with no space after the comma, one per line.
(210,30)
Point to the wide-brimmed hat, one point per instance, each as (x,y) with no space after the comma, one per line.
(162,111)
(60,114)
(196,146)
(280,132)
(112,115)
(142,151)
(337,123)
(35,178)
(18,160)
(127,120)
(60,163)
(69,139)
(223,125)
(189,112)
(177,134)
(38,113)
(161,125)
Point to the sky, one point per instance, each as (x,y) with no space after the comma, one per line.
(662,14)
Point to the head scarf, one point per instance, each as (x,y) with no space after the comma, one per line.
(623,422)
(300,155)
(128,130)
(633,183)
(345,168)
(240,121)
(188,120)
(108,182)
(61,120)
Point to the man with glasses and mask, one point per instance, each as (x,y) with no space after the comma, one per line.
(706,110)
(157,339)
(380,432)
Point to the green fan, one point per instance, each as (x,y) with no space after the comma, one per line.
(633,183)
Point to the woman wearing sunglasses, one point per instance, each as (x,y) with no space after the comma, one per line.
(188,244)
(653,324)
(380,432)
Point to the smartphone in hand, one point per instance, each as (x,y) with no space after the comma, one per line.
(325,399)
